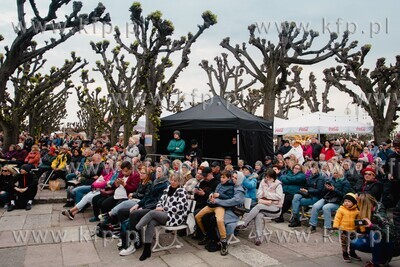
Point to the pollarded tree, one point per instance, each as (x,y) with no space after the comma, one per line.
(93,106)
(153,47)
(34,90)
(287,102)
(292,48)
(380,88)
(310,96)
(19,53)
(124,92)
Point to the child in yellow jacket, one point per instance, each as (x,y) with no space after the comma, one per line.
(344,221)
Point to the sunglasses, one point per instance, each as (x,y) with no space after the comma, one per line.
(368,173)
(4,170)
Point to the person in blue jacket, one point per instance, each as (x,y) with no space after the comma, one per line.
(292,181)
(308,195)
(250,184)
(176,146)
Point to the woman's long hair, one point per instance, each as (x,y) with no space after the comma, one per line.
(148,175)
(366,204)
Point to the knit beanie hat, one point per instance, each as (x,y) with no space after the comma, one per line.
(26,168)
(177,133)
(352,197)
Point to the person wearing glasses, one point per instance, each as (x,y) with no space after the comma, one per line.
(369,185)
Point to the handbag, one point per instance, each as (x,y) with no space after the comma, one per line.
(191,223)
(332,198)
(54,185)
(239,211)
(106,192)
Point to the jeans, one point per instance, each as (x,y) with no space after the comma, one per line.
(127,204)
(327,209)
(381,250)
(87,199)
(80,191)
(151,220)
(300,201)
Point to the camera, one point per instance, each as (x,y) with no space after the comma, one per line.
(360,222)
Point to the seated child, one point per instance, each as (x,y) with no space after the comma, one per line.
(224,190)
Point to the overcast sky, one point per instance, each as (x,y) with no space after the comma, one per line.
(372,22)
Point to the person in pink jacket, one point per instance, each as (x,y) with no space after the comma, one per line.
(366,155)
(307,150)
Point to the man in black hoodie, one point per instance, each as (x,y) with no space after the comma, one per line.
(24,189)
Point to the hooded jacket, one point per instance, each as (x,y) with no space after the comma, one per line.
(344,218)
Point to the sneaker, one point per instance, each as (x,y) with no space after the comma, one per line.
(119,244)
(128,251)
(94,219)
(28,206)
(11,207)
(224,247)
(312,229)
(5,206)
(104,217)
(354,256)
(242,227)
(346,257)
(257,242)
(67,214)
(328,232)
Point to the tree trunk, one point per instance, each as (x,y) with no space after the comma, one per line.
(269,104)
(127,132)
(11,134)
(114,135)
(381,132)
(151,128)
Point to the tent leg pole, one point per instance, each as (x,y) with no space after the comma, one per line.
(238,146)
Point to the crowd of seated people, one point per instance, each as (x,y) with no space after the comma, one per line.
(124,188)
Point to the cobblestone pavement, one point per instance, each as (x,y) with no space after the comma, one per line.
(44,237)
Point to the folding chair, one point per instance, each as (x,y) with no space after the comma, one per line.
(47,180)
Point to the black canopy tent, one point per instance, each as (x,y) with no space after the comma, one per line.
(213,123)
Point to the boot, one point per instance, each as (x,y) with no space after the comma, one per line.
(146,252)
(295,223)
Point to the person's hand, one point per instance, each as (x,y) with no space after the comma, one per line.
(303,190)
(124,150)
(130,195)
(368,221)
(24,189)
(134,208)
(159,209)
(212,200)
(390,176)
(200,192)
(215,195)
(177,148)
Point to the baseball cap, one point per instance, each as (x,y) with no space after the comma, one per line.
(249,168)
(214,164)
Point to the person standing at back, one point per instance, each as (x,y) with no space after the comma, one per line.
(176,146)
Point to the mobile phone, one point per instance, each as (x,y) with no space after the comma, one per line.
(328,183)
(360,222)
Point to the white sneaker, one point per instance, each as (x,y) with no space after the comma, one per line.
(119,243)
(130,250)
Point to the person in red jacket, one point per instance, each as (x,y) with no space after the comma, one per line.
(33,158)
(307,150)
(328,151)
(126,183)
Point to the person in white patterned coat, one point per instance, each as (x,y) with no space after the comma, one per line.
(172,210)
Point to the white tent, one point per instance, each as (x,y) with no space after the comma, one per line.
(320,123)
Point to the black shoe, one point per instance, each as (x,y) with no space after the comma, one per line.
(11,207)
(354,256)
(28,206)
(69,204)
(346,257)
(224,247)
(312,229)
(279,220)
(295,223)
(213,247)
(203,242)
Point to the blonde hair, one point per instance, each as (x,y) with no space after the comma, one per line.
(10,169)
(228,167)
(366,204)
(337,168)
(178,176)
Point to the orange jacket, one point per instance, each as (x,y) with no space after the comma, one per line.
(33,158)
(344,218)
